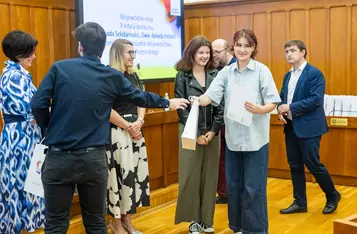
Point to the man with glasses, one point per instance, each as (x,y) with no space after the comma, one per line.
(223,55)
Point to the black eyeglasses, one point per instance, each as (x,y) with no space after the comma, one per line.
(219,51)
(132,53)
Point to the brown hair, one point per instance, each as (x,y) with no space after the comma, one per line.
(298,43)
(116,55)
(188,59)
(251,38)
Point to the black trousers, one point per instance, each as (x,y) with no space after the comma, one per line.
(61,171)
(305,151)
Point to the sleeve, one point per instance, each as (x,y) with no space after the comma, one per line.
(216,90)
(218,120)
(316,98)
(180,92)
(138,82)
(268,89)
(126,91)
(18,95)
(41,101)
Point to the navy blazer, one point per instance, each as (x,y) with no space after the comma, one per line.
(307,106)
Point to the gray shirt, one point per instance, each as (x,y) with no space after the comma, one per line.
(257,77)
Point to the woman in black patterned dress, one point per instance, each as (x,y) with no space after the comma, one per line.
(128,184)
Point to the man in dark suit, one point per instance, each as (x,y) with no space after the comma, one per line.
(302,112)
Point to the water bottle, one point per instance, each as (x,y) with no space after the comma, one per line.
(167,97)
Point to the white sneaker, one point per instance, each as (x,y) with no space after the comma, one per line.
(194,228)
(206,228)
(238,232)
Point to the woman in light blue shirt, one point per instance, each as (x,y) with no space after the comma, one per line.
(246,147)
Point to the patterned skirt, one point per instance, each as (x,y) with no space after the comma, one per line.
(19,210)
(128,183)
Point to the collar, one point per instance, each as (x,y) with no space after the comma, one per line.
(301,68)
(233,60)
(12,64)
(92,58)
(208,72)
(250,66)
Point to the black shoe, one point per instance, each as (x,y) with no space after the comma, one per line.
(221,200)
(331,206)
(294,208)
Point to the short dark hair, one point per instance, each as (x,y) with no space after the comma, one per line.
(18,44)
(188,59)
(298,43)
(251,38)
(92,38)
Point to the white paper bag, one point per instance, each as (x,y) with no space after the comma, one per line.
(33,183)
(189,135)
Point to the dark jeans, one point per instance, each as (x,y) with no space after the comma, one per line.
(246,174)
(60,173)
(221,185)
(305,151)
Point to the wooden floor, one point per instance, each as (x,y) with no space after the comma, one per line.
(160,221)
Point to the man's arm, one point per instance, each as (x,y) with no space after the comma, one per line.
(126,91)
(41,101)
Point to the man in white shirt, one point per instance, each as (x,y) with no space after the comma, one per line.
(302,112)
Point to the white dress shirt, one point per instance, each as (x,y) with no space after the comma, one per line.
(294,77)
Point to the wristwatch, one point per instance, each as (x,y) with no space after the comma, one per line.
(141,120)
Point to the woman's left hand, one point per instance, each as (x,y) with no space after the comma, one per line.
(253,108)
(136,126)
(209,136)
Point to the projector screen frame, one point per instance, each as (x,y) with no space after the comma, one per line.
(80,20)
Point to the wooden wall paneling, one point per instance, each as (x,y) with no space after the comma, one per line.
(328,48)
(4,28)
(332,150)
(192,28)
(62,4)
(227,28)
(244,21)
(210,28)
(348,48)
(353,83)
(278,61)
(277,149)
(154,146)
(338,83)
(42,34)
(261,31)
(318,43)
(171,147)
(20,19)
(72,27)
(297,25)
(350,162)
(61,34)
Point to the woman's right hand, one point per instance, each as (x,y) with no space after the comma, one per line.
(201,140)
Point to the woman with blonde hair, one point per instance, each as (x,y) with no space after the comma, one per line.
(128,184)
